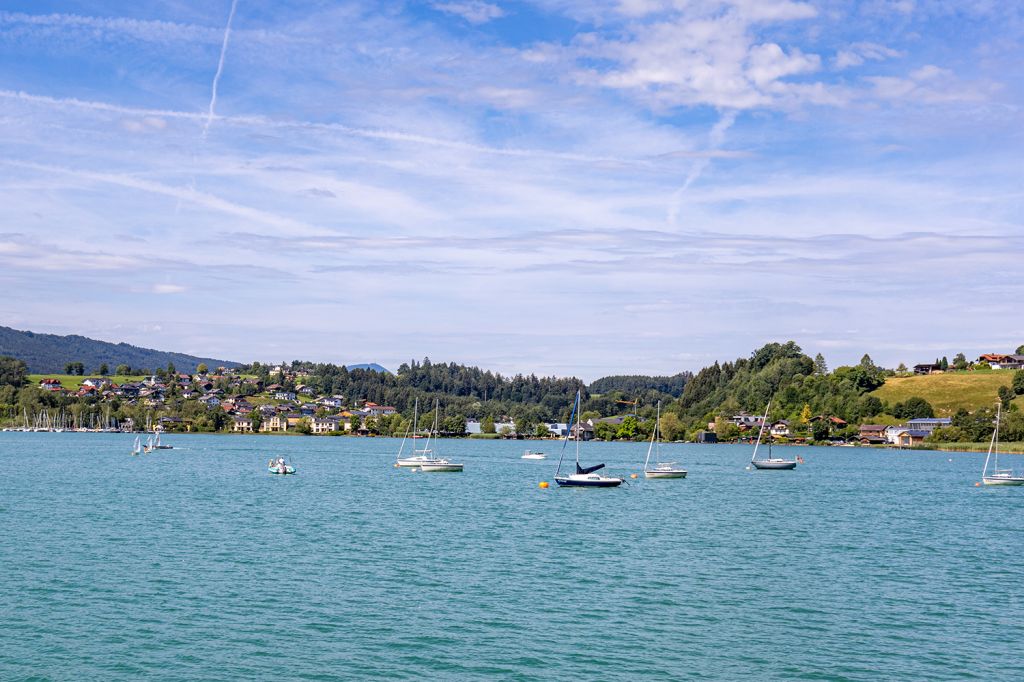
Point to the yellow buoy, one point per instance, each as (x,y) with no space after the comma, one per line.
(542,484)
(632,475)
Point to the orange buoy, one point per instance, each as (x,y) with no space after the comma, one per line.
(542,484)
(977,484)
(632,475)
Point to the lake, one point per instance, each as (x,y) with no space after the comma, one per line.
(195,563)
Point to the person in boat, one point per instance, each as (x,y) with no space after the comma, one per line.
(281,466)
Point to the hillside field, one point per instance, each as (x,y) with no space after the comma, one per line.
(73,382)
(950,391)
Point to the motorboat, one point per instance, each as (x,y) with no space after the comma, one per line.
(530,454)
(279,466)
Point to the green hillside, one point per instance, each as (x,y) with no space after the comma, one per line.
(48,353)
(950,391)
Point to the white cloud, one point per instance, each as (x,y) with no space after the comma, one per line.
(473,11)
(168,289)
(857,53)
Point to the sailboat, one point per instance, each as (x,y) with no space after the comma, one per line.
(438,464)
(149,444)
(137,448)
(418,456)
(769,462)
(584,476)
(159,446)
(660,469)
(998,476)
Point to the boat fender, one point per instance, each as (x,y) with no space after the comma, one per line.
(542,484)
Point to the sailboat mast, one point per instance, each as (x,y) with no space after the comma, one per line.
(565,442)
(653,436)
(761,431)
(579,419)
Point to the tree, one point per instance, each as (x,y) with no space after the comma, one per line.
(726,430)
(671,427)
(627,429)
(304,426)
(913,407)
(870,406)
(104,370)
(487,425)
(819,365)
(820,430)
(454,425)
(1006,395)
(944,364)
(75,368)
(959,361)
(902,369)
(1020,350)
(12,371)
(541,431)
(604,431)
(201,368)
(1018,382)
(505,431)
(122,370)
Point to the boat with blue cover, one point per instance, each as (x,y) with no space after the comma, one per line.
(585,477)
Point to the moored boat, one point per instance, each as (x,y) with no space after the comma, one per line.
(530,454)
(585,477)
(769,463)
(660,469)
(998,476)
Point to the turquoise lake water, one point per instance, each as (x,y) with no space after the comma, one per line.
(196,563)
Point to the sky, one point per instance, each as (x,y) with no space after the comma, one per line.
(567,187)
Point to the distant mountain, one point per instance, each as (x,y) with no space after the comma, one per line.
(48,353)
(370,365)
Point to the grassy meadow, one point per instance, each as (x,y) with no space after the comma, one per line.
(950,391)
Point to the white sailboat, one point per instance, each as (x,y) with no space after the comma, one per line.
(438,464)
(137,448)
(660,469)
(160,446)
(769,462)
(998,476)
(584,476)
(149,444)
(418,457)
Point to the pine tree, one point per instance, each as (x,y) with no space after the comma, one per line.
(819,364)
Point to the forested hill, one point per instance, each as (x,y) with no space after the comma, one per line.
(640,385)
(49,353)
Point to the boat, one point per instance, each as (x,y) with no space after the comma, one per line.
(420,456)
(149,445)
(769,462)
(280,467)
(160,446)
(998,476)
(530,454)
(137,448)
(585,477)
(437,464)
(660,469)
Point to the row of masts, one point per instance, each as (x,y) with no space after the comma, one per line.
(59,421)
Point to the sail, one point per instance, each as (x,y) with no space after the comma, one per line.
(588,470)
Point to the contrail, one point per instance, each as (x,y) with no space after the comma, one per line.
(715,139)
(220,69)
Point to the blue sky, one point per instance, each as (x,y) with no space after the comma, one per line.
(555,186)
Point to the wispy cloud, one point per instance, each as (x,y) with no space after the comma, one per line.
(473,11)
(220,69)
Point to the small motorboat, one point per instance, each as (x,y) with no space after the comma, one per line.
(280,467)
(530,454)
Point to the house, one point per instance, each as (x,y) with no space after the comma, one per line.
(892,433)
(50,385)
(780,429)
(584,431)
(241,425)
(274,424)
(293,419)
(927,368)
(872,434)
(333,401)
(929,424)
(210,400)
(909,438)
(305,390)
(325,424)
(558,430)
(284,395)
(745,420)
(707,437)
(96,382)
(375,410)
(307,409)
(999,361)
(473,426)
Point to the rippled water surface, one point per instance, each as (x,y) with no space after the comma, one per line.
(195,563)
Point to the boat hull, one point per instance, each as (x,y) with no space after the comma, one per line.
(994,480)
(674,473)
(410,462)
(770,465)
(441,468)
(589,482)
(287,470)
